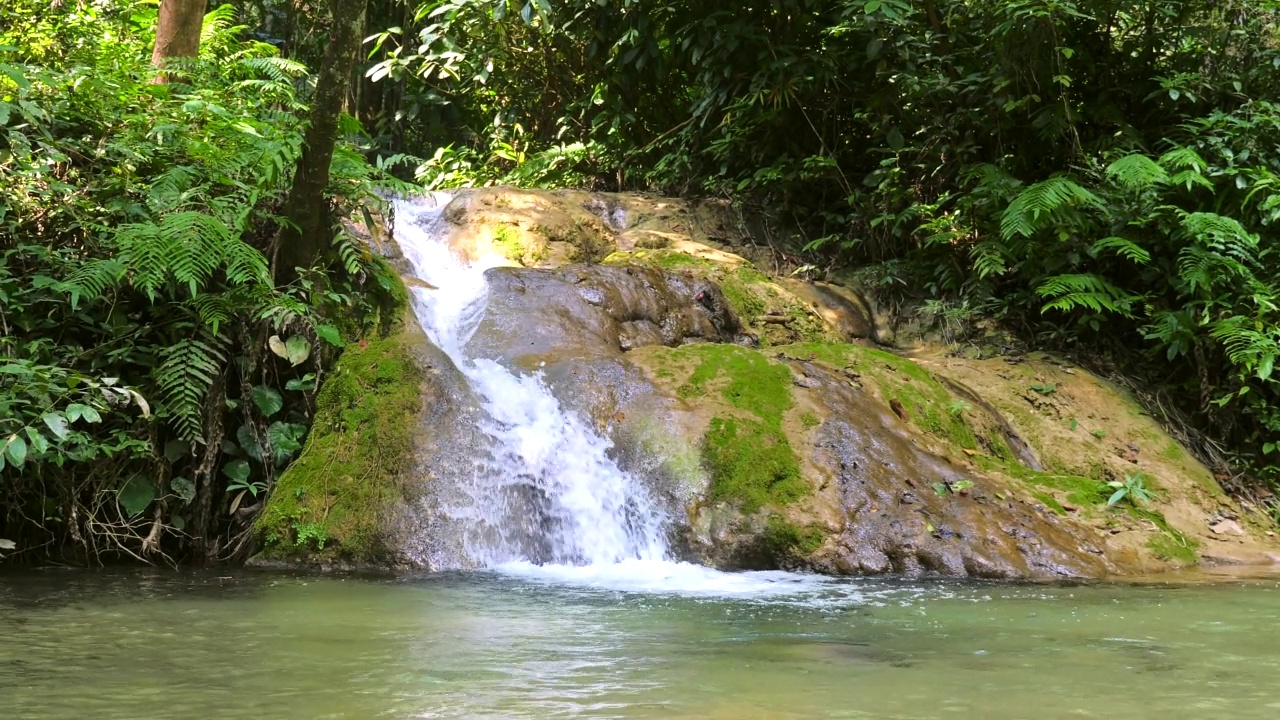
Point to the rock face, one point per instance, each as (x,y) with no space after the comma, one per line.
(766,411)
(384,419)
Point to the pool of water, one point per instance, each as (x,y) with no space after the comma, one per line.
(531,643)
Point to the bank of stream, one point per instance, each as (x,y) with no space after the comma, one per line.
(632,643)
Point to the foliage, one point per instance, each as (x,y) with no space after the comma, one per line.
(1134,489)
(142,409)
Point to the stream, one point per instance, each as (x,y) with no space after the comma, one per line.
(638,640)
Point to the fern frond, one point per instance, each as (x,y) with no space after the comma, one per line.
(184,379)
(1221,250)
(1254,348)
(1122,247)
(988,259)
(353,253)
(91,280)
(1086,291)
(1043,204)
(214,309)
(1183,158)
(167,189)
(1137,172)
(245,264)
(216,24)
(282,310)
(276,69)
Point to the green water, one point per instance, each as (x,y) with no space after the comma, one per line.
(147,645)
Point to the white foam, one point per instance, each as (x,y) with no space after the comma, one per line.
(664,577)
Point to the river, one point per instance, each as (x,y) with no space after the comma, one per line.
(673,641)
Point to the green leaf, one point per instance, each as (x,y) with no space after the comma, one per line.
(56,423)
(183,488)
(297,350)
(940,488)
(237,470)
(286,439)
(136,494)
(1117,496)
(16,450)
(38,443)
(306,382)
(178,522)
(175,449)
(267,400)
(331,335)
(76,411)
(248,443)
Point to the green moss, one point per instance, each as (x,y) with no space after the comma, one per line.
(1050,501)
(331,503)
(1173,452)
(1169,544)
(746,451)
(1174,546)
(809,420)
(508,241)
(925,400)
(783,540)
(751,464)
(1081,491)
(998,445)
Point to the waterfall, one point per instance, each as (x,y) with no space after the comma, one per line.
(547,491)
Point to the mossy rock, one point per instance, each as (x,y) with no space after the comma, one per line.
(334,504)
(745,449)
(769,312)
(925,401)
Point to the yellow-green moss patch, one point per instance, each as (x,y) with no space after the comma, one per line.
(332,502)
(783,540)
(926,401)
(745,450)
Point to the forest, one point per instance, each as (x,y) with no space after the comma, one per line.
(183,184)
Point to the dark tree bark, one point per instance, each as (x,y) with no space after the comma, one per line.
(177,32)
(305,206)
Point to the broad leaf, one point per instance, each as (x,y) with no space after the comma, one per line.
(16,450)
(57,424)
(331,335)
(248,443)
(297,350)
(136,495)
(237,470)
(277,346)
(267,400)
(183,488)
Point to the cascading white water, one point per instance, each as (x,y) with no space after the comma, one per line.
(548,492)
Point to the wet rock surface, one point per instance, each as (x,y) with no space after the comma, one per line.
(781,435)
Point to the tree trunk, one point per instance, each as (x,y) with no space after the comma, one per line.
(178,31)
(305,206)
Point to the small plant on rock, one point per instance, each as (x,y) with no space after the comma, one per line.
(1134,488)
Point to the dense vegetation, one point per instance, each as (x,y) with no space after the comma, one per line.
(157,367)
(1100,176)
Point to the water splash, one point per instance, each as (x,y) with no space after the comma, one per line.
(547,493)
